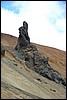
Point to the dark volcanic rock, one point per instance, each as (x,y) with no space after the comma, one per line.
(23,39)
(2,51)
(33,59)
(63,81)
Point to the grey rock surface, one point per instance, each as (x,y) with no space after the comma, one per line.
(23,39)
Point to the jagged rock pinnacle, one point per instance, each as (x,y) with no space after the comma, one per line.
(23,39)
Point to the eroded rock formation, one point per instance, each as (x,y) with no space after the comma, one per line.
(33,59)
(23,39)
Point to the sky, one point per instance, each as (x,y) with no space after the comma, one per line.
(46,21)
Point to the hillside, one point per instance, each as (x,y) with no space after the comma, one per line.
(18,81)
(57,58)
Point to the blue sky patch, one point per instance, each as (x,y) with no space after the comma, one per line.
(8,5)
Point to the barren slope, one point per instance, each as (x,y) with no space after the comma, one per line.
(18,81)
(56,57)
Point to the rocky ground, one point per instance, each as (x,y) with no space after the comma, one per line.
(18,81)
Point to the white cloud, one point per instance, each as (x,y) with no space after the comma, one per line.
(61,25)
(9,22)
(37,14)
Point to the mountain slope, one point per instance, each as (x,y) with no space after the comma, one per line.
(56,57)
(18,81)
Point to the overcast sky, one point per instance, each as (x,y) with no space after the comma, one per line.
(46,21)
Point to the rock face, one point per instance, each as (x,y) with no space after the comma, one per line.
(23,39)
(33,59)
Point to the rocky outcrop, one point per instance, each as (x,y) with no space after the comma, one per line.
(35,60)
(23,39)
(39,64)
(2,51)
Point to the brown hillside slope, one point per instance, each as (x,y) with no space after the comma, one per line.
(56,57)
(20,82)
